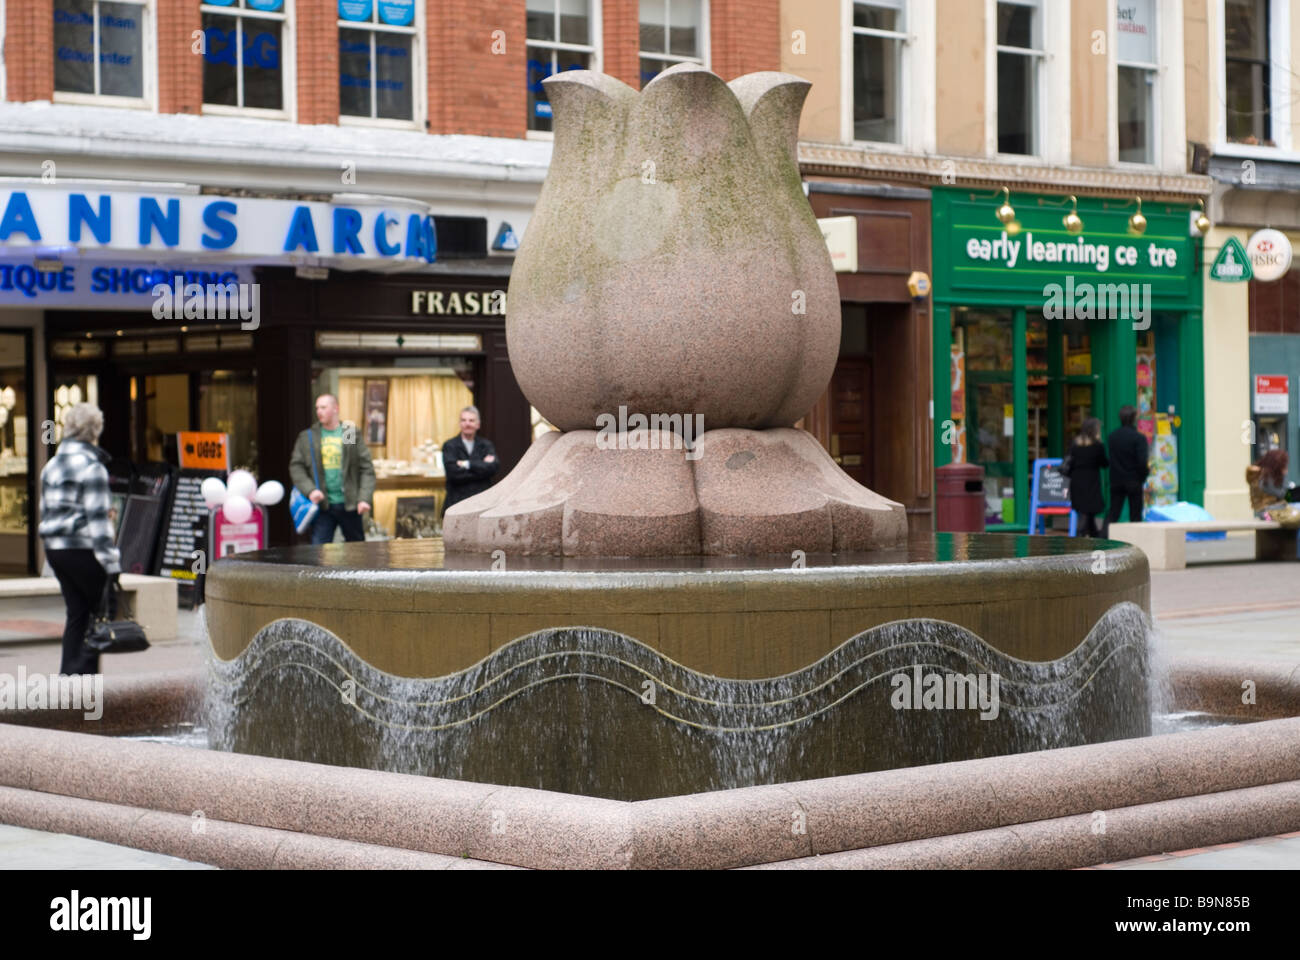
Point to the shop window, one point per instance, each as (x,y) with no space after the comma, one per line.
(378,44)
(228,404)
(1249,93)
(672,31)
(404,410)
(878,40)
(560,37)
(1138,73)
(243,53)
(1019,49)
(99,47)
(983,405)
(14,446)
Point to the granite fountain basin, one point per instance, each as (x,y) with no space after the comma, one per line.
(633,679)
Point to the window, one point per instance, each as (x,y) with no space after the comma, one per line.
(243,62)
(672,31)
(99,47)
(559,38)
(877,70)
(1249,93)
(1136,57)
(1019,51)
(377,59)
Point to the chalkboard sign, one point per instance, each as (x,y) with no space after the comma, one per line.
(186,532)
(142,514)
(1049,495)
(1053,489)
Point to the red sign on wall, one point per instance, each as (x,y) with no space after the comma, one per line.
(1272,393)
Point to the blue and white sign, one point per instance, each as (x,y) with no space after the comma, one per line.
(266,6)
(37,218)
(112,286)
(219,3)
(356,10)
(397,13)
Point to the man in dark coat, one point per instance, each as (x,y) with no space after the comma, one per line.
(470,461)
(1128,467)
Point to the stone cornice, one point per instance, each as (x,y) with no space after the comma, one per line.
(839,160)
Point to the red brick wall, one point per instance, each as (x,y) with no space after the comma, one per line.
(29,49)
(473,90)
(180,69)
(316,23)
(622,40)
(745,36)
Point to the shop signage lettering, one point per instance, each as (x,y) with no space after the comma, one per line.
(117,286)
(463,302)
(1079,251)
(260,49)
(257,229)
(1270,255)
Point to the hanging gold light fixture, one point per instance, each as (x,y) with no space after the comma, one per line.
(1202,222)
(1006,213)
(1072,221)
(1137,224)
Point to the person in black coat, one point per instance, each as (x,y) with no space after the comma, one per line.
(1128,467)
(470,461)
(1087,457)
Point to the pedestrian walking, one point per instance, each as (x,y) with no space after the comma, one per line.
(338,476)
(76,530)
(470,461)
(1086,459)
(1128,467)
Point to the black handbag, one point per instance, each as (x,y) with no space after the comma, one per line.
(114,636)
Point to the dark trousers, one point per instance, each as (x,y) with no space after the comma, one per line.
(1088,526)
(330,518)
(1133,494)
(82,579)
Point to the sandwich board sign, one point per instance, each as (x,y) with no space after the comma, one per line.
(1231,265)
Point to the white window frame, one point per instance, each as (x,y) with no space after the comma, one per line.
(706,40)
(1168,103)
(916,81)
(595,49)
(420,91)
(288,62)
(1052,125)
(1280,80)
(149,65)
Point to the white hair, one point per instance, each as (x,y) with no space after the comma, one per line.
(85,421)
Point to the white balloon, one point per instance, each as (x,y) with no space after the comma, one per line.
(214,491)
(270,493)
(237,509)
(242,484)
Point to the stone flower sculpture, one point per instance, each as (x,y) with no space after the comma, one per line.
(673,311)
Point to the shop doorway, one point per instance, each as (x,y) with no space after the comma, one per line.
(17,491)
(851,441)
(218,401)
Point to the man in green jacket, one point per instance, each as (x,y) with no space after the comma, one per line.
(339,478)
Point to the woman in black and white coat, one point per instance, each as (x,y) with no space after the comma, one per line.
(76,529)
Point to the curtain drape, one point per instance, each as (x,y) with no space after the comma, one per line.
(420,408)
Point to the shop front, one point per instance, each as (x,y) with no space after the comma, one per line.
(1038,327)
(874,418)
(176,310)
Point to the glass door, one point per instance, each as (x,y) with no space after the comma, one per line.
(991,402)
(16,543)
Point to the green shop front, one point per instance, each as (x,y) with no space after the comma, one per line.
(1038,327)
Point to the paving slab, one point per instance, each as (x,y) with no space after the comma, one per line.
(24,849)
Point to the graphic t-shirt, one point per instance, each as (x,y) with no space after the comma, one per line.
(331,458)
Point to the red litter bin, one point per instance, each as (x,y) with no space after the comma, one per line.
(960,506)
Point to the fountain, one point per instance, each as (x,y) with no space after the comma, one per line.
(678,590)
